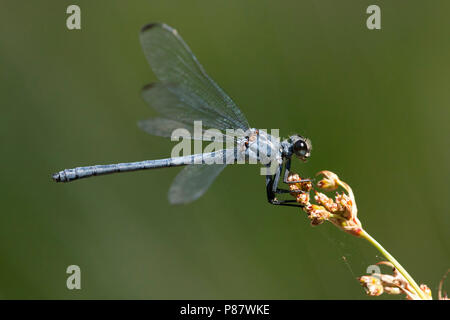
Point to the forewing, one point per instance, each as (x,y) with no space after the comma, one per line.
(186,93)
(163,127)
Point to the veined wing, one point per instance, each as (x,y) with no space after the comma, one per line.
(164,127)
(193,181)
(186,93)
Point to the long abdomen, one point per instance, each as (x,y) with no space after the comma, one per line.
(68,175)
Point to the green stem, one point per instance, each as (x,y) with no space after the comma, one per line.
(396,264)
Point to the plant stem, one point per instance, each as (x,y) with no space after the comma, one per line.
(396,264)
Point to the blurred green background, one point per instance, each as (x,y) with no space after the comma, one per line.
(374,103)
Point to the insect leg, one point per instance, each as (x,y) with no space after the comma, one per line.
(272,189)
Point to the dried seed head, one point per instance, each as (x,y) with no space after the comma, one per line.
(330,181)
(392,284)
(392,290)
(426,290)
(306,186)
(303,199)
(293,177)
(344,205)
(294,187)
(317,214)
(372,285)
(341,211)
(328,203)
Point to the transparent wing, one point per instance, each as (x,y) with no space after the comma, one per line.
(186,93)
(193,181)
(176,103)
(163,127)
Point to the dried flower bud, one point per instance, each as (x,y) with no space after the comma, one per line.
(328,203)
(341,211)
(330,182)
(392,290)
(306,186)
(317,214)
(426,290)
(393,284)
(372,285)
(345,205)
(294,187)
(293,177)
(303,199)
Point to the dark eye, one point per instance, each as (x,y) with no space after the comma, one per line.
(300,148)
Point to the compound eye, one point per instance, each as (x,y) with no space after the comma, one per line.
(300,148)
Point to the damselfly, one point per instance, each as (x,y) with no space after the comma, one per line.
(186,94)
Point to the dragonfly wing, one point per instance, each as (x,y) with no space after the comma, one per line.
(175,103)
(186,93)
(193,181)
(164,127)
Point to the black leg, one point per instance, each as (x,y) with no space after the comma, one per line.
(277,178)
(272,190)
(287,203)
(269,186)
(287,169)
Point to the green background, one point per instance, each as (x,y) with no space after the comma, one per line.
(374,103)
